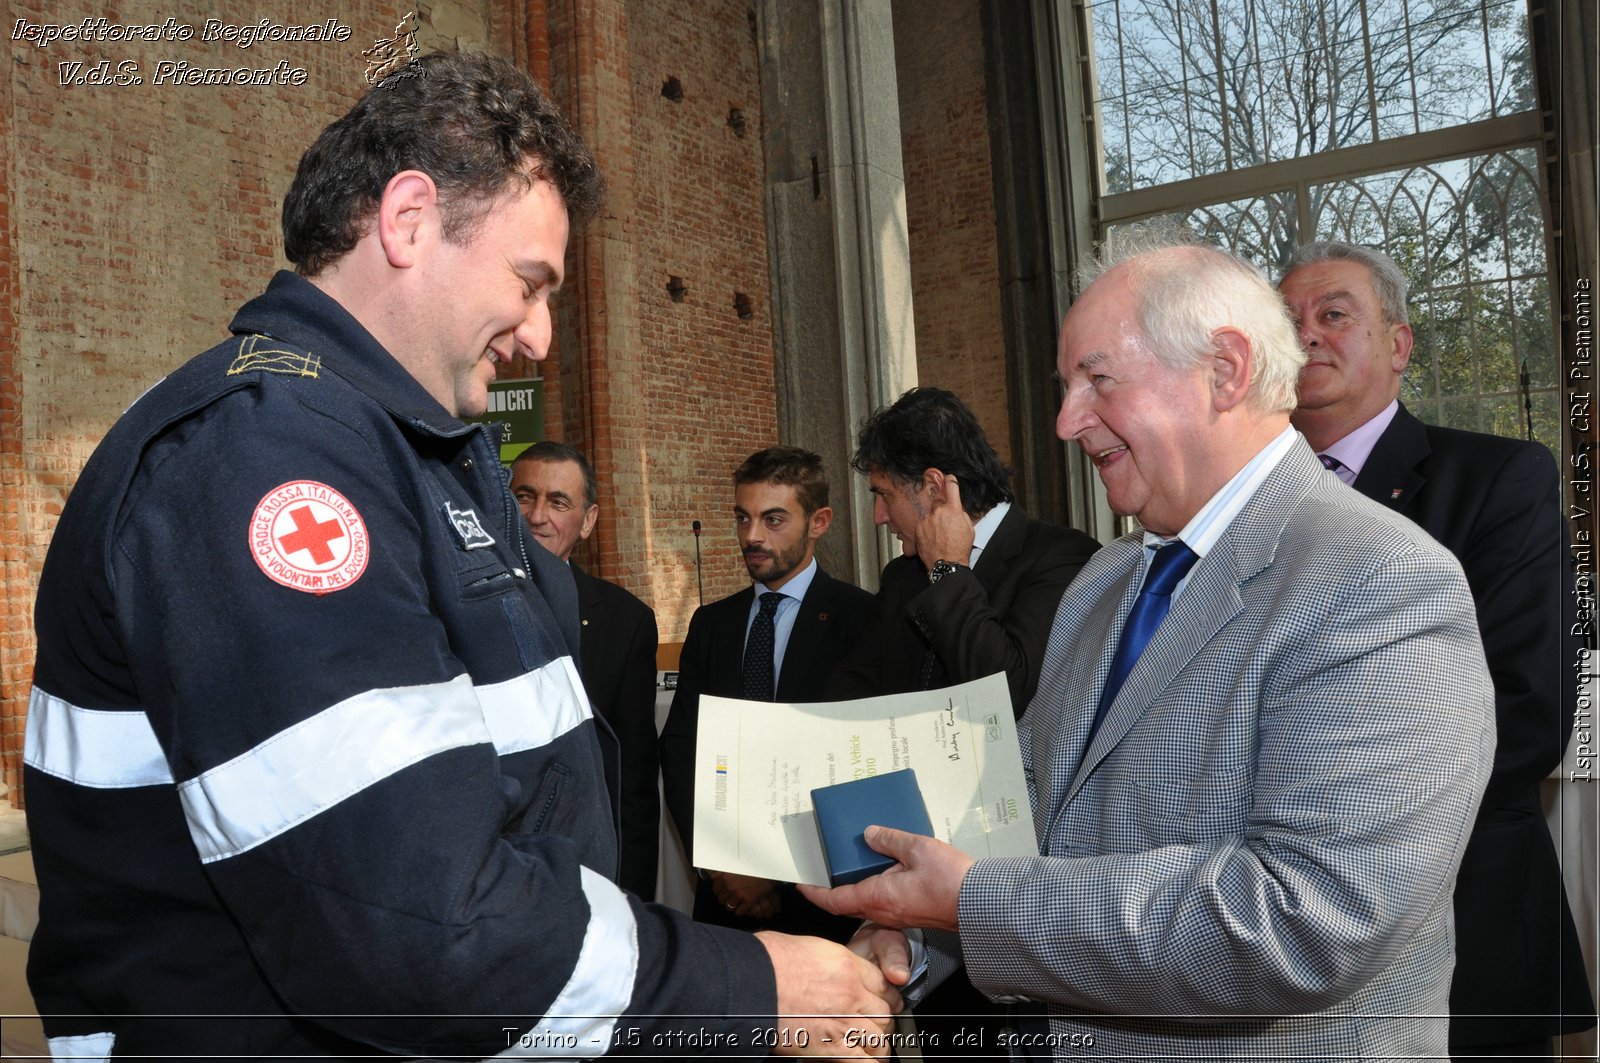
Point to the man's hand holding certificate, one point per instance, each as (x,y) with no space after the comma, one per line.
(757,763)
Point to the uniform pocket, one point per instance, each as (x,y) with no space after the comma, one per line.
(546,810)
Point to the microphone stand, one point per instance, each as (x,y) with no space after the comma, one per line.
(698,582)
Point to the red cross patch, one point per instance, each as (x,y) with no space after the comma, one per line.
(308,537)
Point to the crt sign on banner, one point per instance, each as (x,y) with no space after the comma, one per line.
(517,406)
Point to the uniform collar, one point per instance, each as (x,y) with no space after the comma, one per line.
(296,311)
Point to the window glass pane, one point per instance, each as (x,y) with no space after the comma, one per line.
(1290,78)
(1502,415)
(1546,419)
(1452,345)
(1157,119)
(1111,104)
(1536,342)
(1510,57)
(1419,387)
(1496,354)
(1446,45)
(1460,412)
(1262,228)
(1524,210)
(1394,88)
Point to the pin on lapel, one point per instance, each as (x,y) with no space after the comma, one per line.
(822,616)
(1395,492)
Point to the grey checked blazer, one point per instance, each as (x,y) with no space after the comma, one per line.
(1257,854)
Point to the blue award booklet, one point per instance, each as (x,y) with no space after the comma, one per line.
(844,811)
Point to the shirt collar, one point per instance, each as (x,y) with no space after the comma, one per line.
(1207,526)
(984,530)
(1354,449)
(796,588)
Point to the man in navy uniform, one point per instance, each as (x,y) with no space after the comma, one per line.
(310,768)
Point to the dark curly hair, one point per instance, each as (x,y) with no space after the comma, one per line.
(473,122)
(929,428)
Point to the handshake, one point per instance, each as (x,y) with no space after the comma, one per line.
(836,1001)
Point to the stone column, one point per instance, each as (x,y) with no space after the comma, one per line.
(840,256)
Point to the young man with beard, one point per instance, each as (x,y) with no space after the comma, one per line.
(777,640)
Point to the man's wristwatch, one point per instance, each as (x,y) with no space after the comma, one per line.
(941,569)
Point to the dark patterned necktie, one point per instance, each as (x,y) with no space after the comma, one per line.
(1330,463)
(756,684)
(1171,563)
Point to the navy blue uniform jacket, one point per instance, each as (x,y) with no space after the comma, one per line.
(307,741)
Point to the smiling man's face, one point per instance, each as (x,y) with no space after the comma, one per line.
(1135,417)
(494,296)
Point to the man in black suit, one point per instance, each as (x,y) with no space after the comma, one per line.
(780,646)
(1495,503)
(556,489)
(979,581)
(974,593)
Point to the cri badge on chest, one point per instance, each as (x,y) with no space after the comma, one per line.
(308,537)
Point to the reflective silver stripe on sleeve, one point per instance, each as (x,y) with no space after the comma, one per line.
(94,1047)
(579,1023)
(554,690)
(102,748)
(319,762)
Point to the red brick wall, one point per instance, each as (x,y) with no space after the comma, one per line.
(134,218)
(955,270)
(16,631)
(709,375)
(667,397)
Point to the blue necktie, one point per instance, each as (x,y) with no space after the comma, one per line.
(756,682)
(1171,563)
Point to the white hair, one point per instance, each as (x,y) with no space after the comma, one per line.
(1185,291)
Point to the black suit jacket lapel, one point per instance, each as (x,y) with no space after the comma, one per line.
(588,594)
(1004,545)
(1391,474)
(805,638)
(727,644)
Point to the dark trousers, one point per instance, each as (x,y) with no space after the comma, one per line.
(1541,1049)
